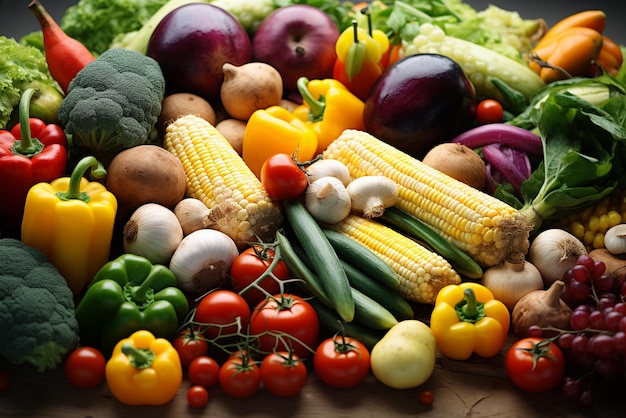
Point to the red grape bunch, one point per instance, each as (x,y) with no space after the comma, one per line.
(596,340)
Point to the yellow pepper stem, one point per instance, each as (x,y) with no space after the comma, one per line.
(470,309)
(316,107)
(138,358)
(73,191)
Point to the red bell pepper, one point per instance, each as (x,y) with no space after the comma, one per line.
(31,152)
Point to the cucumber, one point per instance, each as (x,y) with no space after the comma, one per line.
(413,227)
(369,312)
(323,257)
(331,324)
(367,309)
(299,269)
(359,255)
(393,301)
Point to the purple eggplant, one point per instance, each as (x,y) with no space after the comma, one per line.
(420,101)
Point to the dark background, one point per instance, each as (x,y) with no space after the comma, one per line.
(16,20)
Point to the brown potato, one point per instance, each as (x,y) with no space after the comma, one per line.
(145,174)
(179,104)
(458,161)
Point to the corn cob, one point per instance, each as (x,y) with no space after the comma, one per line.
(486,228)
(216,175)
(590,224)
(422,273)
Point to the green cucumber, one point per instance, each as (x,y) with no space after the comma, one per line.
(323,257)
(301,270)
(368,310)
(393,301)
(411,226)
(331,324)
(359,255)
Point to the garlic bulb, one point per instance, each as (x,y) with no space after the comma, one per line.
(509,282)
(192,214)
(153,232)
(202,260)
(370,195)
(327,200)
(615,239)
(328,168)
(553,252)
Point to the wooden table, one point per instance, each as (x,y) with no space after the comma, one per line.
(473,388)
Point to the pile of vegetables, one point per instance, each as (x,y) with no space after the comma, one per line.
(241,260)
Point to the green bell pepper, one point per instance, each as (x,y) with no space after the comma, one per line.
(126,295)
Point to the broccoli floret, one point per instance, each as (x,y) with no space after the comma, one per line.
(37,321)
(112,104)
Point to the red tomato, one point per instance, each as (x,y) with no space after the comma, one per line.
(240,377)
(426,397)
(489,111)
(249,266)
(283,375)
(85,367)
(197,396)
(535,364)
(190,345)
(288,315)
(219,310)
(282,177)
(204,370)
(341,362)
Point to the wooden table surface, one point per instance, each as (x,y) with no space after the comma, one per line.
(472,388)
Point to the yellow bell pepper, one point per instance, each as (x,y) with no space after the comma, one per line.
(144,370)
(330,108)
(467,319)
(71,221)
(276,130)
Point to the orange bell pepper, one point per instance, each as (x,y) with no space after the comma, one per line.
(566,54)
(144,370)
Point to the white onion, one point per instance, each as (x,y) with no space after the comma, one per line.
(153,232)
(509,282)
(553,252)
(202,260)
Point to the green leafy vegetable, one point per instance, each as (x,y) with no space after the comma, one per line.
(22,67)
(96,22)
(584,152)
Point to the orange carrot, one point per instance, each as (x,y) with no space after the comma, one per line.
(65,56)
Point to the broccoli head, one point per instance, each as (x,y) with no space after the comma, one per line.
(112,104)
(37,321)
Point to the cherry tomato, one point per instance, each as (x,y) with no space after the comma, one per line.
(289,315)
(283,374)
(220,310)
(204,370)
(341,362)
(197,396)
(190,344)
(426,397)
(249,266)
(535,364)
(5,380)
(282,177)
(489,111)
(240,377)
(85,367)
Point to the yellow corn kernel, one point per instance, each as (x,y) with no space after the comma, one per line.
(422,272)
(486,228)
(216,175)
(590,224)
